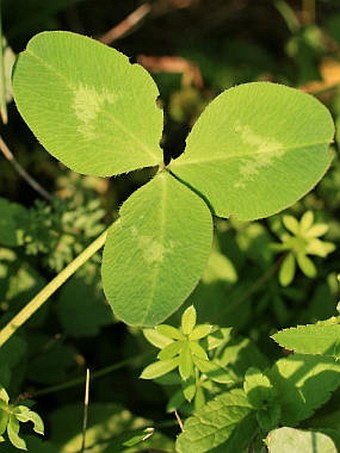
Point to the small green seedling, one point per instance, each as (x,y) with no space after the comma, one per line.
(301,241)
(10,418)
(183,349)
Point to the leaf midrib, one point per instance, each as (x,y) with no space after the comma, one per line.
(157,267)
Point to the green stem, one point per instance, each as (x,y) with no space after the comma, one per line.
(37,301)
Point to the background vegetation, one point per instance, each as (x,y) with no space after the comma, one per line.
(194,49)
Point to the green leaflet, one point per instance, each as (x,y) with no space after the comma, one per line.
(223,422)
(256,149)
(311,339)
(303,383)
(289,440)
(156,252)
(89,107)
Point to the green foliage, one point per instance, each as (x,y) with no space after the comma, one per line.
(256,149)
(233,160)
(105,109)
(301,241)
(167,243)
(226,420)
(182,348)
(11,416)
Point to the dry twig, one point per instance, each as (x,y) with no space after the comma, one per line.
(126,25)
(22,172)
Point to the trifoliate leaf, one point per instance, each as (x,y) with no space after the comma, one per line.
(156,252)
(256,149)
(89,107)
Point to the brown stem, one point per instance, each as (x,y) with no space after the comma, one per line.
(126,25)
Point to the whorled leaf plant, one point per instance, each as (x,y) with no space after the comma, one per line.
(255,150)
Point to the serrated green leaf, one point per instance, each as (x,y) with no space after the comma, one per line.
(185,364)
(287,270)
(200,331)
(156,252)
(89,107)
(303,383)
(290,440)
(159,368)
(13,428)
(216,423)
(170,350)
(306,265)
(156,338)
(311,339)
(188,320)
(249,145)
